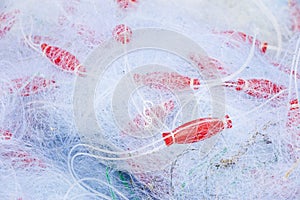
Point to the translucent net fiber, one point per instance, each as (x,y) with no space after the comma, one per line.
(149,99)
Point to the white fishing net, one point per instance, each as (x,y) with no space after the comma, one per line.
(147,99)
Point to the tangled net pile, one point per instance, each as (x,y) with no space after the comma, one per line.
(149,99)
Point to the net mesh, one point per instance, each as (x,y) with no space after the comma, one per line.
(217,121)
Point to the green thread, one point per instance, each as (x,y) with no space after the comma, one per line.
(113,195)
(125,183)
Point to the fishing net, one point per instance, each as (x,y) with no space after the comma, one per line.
(147,99)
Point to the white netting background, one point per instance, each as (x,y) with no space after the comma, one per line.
(248,70)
